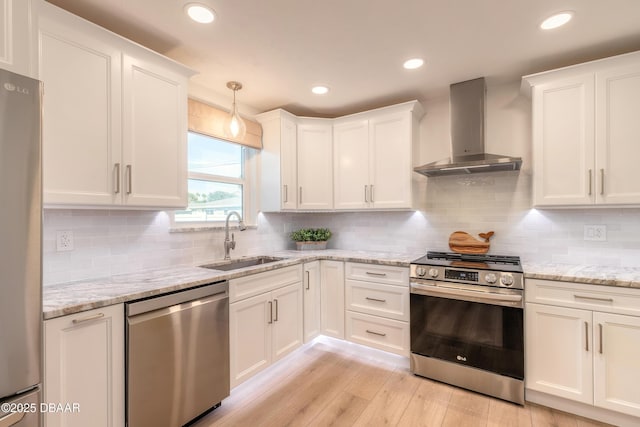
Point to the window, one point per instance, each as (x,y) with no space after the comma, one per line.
(217,180)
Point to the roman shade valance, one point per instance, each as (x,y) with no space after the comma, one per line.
(207,120)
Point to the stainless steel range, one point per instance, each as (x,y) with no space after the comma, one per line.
(467,322)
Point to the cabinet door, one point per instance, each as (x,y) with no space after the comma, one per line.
(287,320)
(390,161)
(15,36)
(249,337)
(332,298)
(84,364)
(315,170)
(154,134)
(351,165)
(311,291)
(81,143)
(563,142)
(559,351)
(617,362)
(618,135)
(289,162)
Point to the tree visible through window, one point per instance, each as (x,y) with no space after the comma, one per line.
(216,179)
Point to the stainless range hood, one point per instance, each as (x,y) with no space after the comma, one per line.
(467,136)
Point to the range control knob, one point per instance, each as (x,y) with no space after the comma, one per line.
(433,272)
(421,271)
(506,279)
(490,278)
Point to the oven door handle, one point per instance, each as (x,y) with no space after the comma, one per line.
(442,291)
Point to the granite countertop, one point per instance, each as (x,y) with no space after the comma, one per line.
(74,297)
(591,274)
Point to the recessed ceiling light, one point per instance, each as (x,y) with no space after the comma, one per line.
(320,90)
(200,13)
(557,20)
(412,64)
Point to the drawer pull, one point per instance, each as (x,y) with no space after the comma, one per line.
(377,274)
(593,298)
(375,299)
(276,303)
(380,334)
(308,274)
(586,335)
(270,312)
(88,318)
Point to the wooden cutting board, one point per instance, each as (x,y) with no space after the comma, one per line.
(464,243)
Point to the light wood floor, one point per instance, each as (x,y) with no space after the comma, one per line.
(326,385)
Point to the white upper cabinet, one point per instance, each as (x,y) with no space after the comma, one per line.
(585,133)
(315,165)
(373,158)
(115,117)
(16,36)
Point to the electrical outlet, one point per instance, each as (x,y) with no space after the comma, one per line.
(596,233)
(64,240)
(287,227)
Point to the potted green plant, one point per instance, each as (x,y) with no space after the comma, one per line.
(311,238)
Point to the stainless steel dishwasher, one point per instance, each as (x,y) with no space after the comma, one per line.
(177,356)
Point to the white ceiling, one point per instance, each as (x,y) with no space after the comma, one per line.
(278,49)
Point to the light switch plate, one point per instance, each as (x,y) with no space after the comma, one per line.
(597,233)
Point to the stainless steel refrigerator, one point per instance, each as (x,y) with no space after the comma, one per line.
(20,250)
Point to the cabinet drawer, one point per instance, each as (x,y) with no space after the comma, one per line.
(384,334)
(377,273)
(256,284)
(609,299)
(380,300)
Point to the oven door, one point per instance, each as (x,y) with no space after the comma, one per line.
(461,325)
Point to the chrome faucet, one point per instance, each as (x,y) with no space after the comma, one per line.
(231,244)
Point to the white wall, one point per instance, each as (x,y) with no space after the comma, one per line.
(112,242)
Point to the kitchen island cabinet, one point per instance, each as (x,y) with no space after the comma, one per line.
(581,345)
(115,117)
(585,133)
(84,366)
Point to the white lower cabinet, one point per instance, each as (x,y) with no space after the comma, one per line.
(84,365)
(332,298)
(582,343)
(311,292)
(267,326)
(377,304)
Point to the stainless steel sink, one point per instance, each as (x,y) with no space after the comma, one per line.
(234,264)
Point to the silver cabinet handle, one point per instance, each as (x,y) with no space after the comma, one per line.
(300,197)
(12,419)
(308,275)
(375,299)
(371,193)
(286,193)
(586,335)
(270,313)
(593,298)
(601,182)
(276,302)
(380,334)
(600,333)
(129,179)
(590,182)
(376,274)
(117,176)
(88,318)
(365,194)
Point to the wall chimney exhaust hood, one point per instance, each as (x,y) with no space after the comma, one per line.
(467,104)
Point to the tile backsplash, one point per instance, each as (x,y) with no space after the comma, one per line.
(113,242)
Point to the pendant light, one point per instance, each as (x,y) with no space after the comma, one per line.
(234,126)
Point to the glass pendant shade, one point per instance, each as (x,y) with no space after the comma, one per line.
(234,127)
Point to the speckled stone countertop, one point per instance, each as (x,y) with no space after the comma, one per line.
(74,297)
(594,275)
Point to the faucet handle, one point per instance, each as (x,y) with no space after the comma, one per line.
(233,237)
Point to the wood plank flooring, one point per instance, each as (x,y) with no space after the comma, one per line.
(326,385)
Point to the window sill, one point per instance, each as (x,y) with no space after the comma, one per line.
(200,228)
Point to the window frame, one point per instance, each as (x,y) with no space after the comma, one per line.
(247,181)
